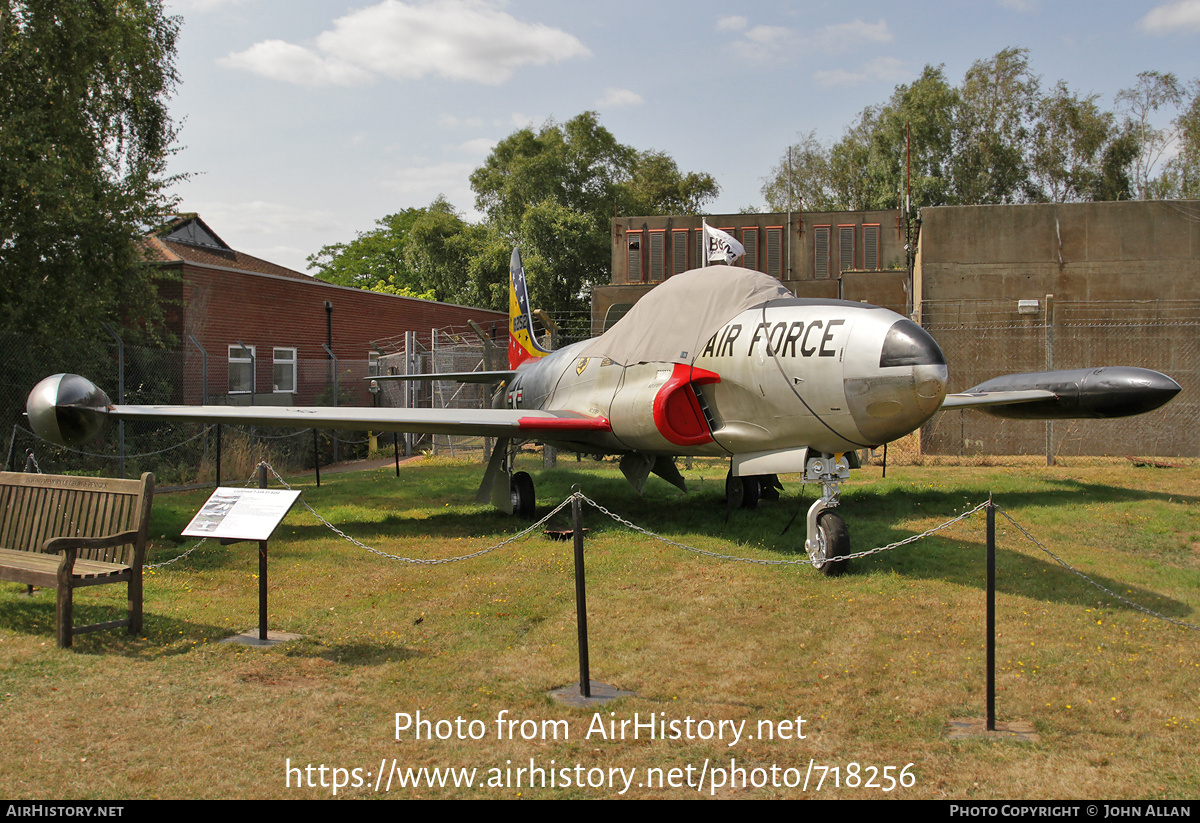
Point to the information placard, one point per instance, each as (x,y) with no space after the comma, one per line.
(242,514)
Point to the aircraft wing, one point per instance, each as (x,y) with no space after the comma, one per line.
(976,399)
(478,422)
(69,409)
(456,376)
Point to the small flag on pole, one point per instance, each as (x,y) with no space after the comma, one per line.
(721,247)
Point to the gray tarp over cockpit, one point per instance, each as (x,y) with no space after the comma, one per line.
(674,322)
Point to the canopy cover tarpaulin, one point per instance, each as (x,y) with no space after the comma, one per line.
(673,322)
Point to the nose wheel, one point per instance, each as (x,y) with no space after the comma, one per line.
(828,540)
(832,542)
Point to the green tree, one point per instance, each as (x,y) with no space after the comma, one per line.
(998,99)
(560,187)
(84,140)
(869,166)
(374,260)
(656,186)
(1072,137)
(1140,103)
(1182,171)
(552,191)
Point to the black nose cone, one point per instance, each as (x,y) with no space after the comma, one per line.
(907,344)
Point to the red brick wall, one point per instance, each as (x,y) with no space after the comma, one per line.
(222,307)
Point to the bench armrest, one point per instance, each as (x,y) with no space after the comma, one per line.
(58,544)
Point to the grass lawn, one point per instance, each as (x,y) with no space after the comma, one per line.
(757,676)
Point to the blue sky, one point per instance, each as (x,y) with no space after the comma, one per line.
(304,121)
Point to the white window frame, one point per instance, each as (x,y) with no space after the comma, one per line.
(288,362)
(237,359)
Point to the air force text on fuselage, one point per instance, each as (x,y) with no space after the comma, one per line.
(812,338)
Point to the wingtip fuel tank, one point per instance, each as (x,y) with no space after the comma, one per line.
(67,409)
(1111,391)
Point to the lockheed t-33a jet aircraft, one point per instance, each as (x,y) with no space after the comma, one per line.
(717,362)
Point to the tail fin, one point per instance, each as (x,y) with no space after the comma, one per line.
(522,345)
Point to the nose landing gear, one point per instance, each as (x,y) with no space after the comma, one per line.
(828,539)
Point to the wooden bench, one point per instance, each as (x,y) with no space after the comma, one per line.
(68,532)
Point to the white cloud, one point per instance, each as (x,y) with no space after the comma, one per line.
(619,97)
(451,122)
(479,147)
(259,218)
(887,69)
(764,43)
(1171,17)
(772,43)
(421,184)
(295,64)
(456,39)
(732,23)
(855,32)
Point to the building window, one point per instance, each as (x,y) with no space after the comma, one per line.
(871,247)
(775,251)
(679,251)
(700,262)
(845,248)
(633,258)
(241,369)
(750,241)
(821,252)
(658,255)
(284,372)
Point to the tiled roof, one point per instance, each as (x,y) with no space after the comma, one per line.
(169,251)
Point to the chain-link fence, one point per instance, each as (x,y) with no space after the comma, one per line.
(443,350)
(177,452)
(985,339)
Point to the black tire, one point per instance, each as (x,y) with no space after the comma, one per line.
(836,539)
(733,492)
(523,500)
(751,492)
(741,492)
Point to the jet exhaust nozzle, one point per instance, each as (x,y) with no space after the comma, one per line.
(67,409)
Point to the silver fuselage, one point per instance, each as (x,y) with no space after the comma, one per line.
(791,374)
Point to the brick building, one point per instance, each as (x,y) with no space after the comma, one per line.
(854,255)
(255,332)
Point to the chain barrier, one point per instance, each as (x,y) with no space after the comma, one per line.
(1104,589)
(634,527)
(425,561)
(798,561)
(253,435)
(206,430)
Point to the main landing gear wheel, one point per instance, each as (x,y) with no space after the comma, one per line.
(833,541)
(741,492)
(523,500)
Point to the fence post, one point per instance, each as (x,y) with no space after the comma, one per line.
(333,359)
(991,614)
(1049,367)
(120,392)
(585,680)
